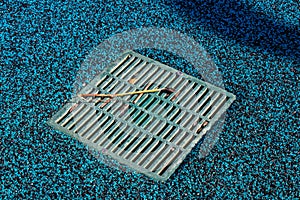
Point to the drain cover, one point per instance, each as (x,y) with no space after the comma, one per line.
(151,134)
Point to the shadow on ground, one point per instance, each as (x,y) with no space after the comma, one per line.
(238,21)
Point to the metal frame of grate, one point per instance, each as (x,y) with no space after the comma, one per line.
(153,135)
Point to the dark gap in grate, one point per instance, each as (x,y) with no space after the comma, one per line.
(63,118)
(107,109)
(91,132)
(120,134)
(138,145)
(69,120)
(205,102)
(136,64)
(108,128)
(178,121)
(155,158)
(86,121)
(94,123)
(70,117)
(157,126)
(165,107)
(149,123)
(163,129)
(199,89)
(194,85)
(131,143)
(117,138)
(123,141)
(109,83)
(212,105)
(112,88)
(175,136)
(164,169)
(195,124)
(96,131)
(148,145)
(169,132)
(203,125)
(158,165)
(219,108)
(121,144)
(170,111)
(101,116)
(128,63)
(176,114)
(143,100)
(102,80)
(71,127)
(121,63)
(131,112)
(188,101)
(200,98)
(99,102)
(155,147)
(110,135)
(189,141)
(141,123)
(133,97)
(160,94)
(150,103)
(138,116)
(185,135)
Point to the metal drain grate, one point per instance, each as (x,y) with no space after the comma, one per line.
(154,134)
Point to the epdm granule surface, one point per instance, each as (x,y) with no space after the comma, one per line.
(255,45)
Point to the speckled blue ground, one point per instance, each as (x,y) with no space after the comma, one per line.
(255,44)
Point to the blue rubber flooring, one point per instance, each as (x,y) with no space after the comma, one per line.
(255,45)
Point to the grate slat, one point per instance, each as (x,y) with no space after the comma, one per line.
(92,124)
(169,161)
(123,65)
(161,159)
(136,64)
(119,150)
(151,161)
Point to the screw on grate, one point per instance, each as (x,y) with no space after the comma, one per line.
(152,132)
